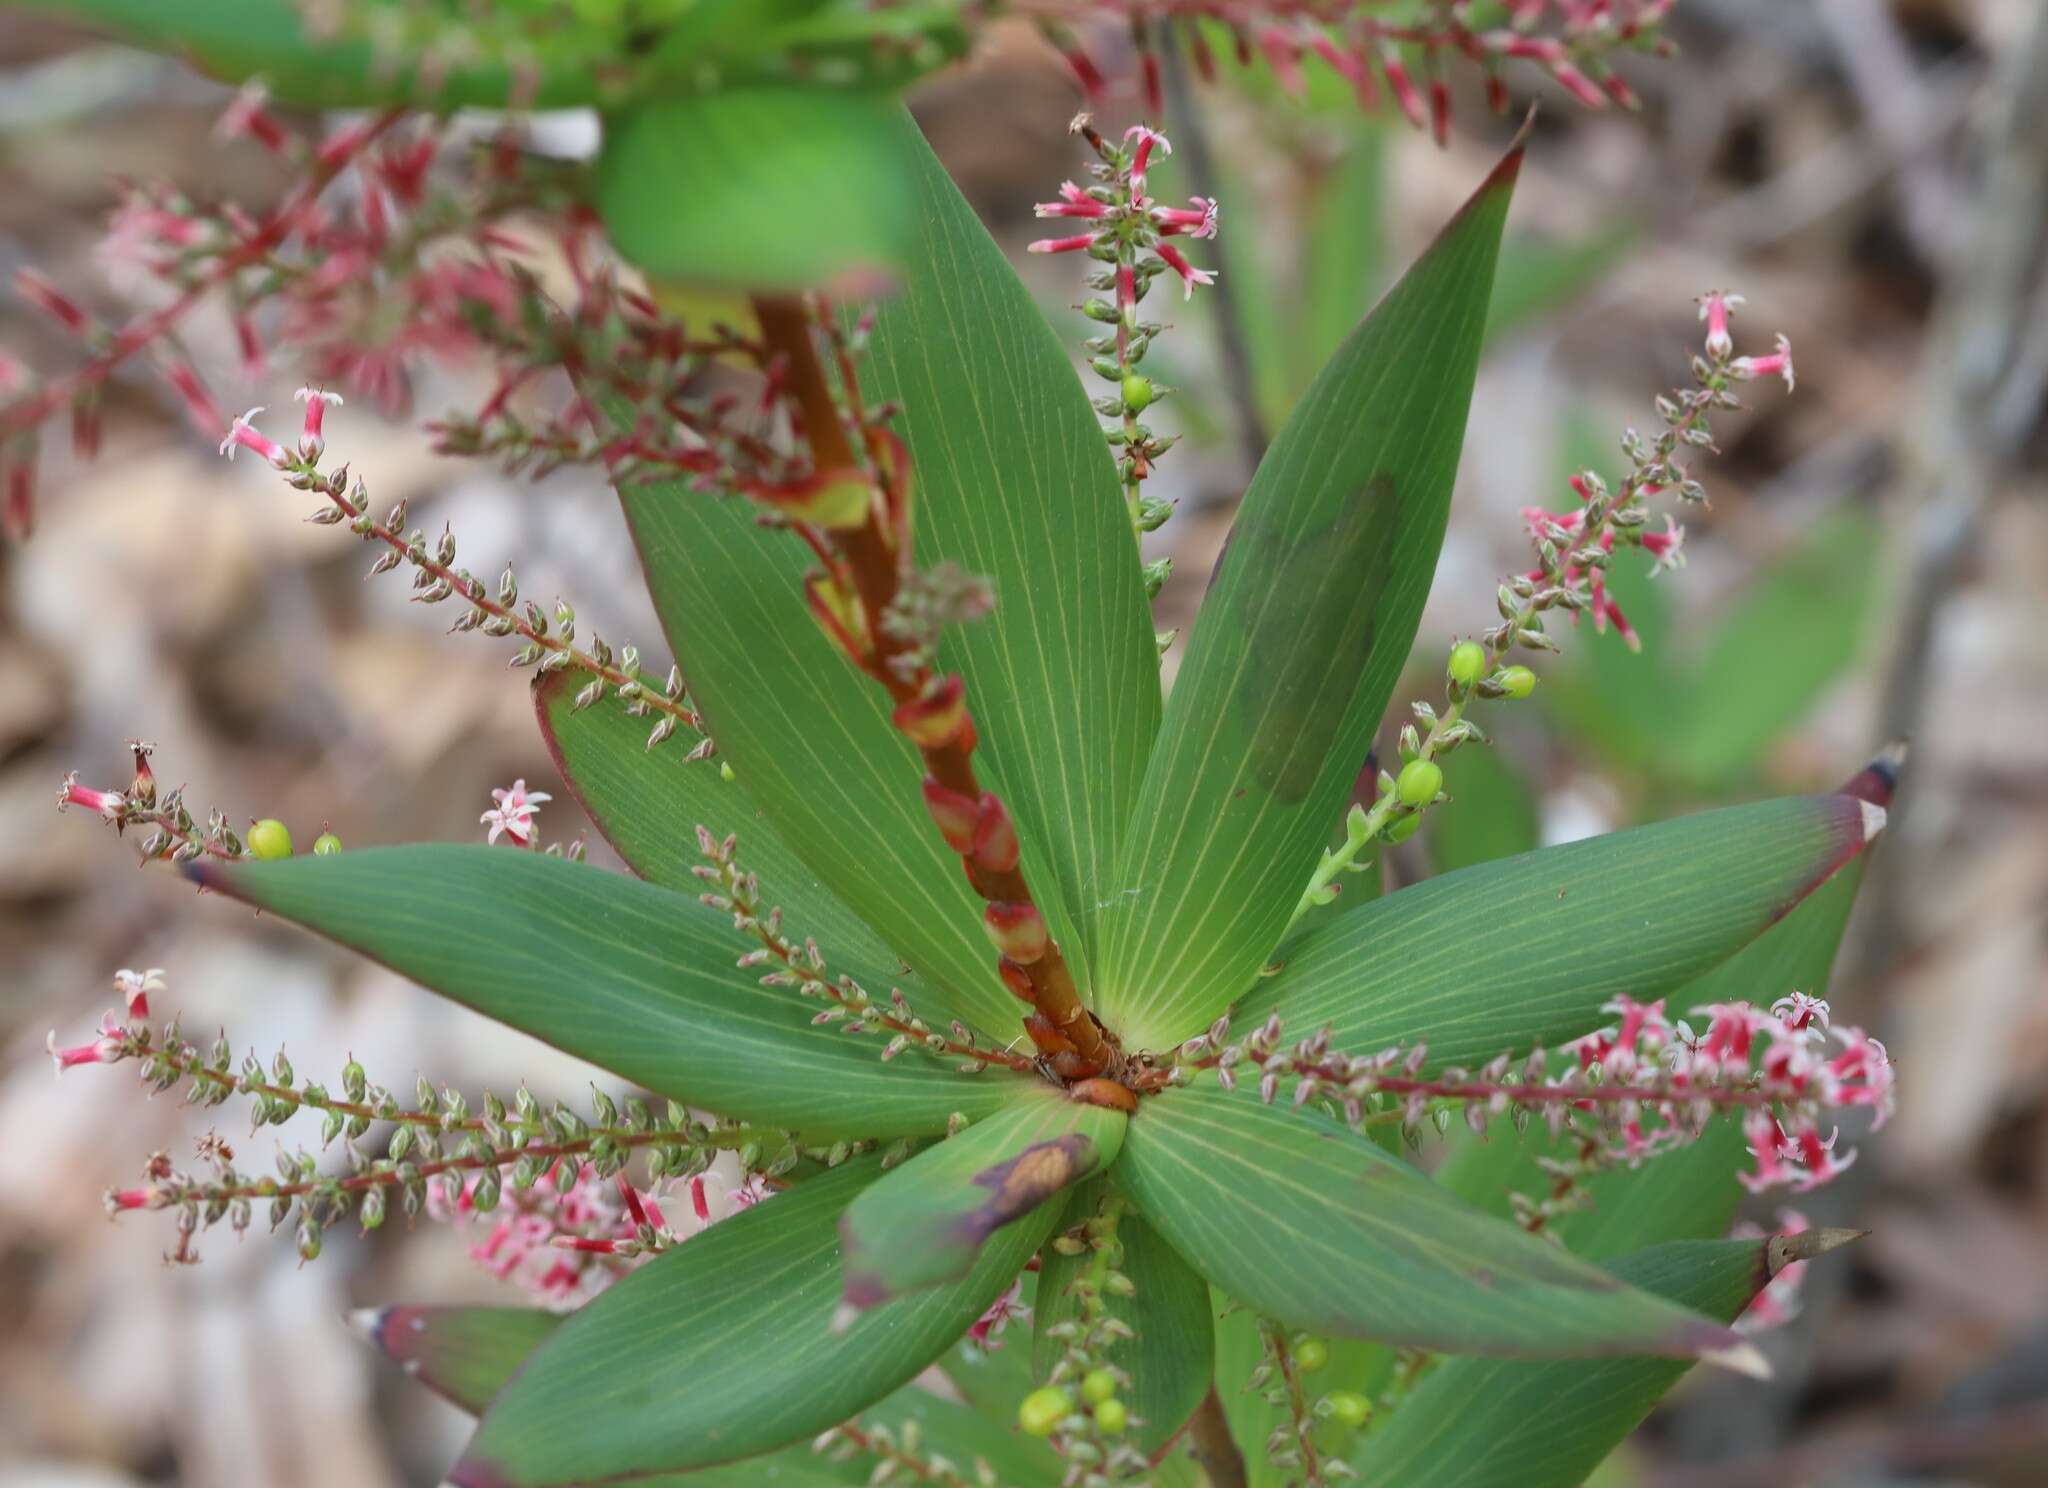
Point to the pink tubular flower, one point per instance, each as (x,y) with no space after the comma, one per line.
(1778,363)
(243,434)
(1715,306)
(514,813)
(103,1050)
(192,393)
(1283,55)
(135,987)
(990,1325)
(311,442)
(1666,547)
(1190,276)
(1578,85)
(1061,245)
(1402,86)
(1798,1011)
(249,115)
(109,804)
(1197,220)
(118,1199)
(1073,202)
(1148,139)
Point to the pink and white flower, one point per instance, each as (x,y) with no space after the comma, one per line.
(1777,364)
(106,1049)
(1148,139)
(243,434)
(109,804)
(1190,276)
(1715,306)
(1197,219)
(513,815)
(312,442)
(135,987)
(1667,548)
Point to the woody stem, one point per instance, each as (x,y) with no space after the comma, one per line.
(875,558)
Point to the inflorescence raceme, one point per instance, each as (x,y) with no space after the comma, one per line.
(1129,234)
(1638,1087)
(1573,549)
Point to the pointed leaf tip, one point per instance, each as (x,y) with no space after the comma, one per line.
(1788,1250)
(1876,781)
(1741,1358)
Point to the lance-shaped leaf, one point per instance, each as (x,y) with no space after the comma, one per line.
(927,1221)
(578,60)
(1489,1423)
(463,1354)
(1312,1224)
(1013,483)
(468,1354)
(1527,949)
(724,1348)
(631,977)
(1171,1352)
(705,189)
(649,804)
(1309,616)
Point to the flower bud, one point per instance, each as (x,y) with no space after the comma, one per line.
(1467,664)
(1041,1412)
(1348,1408)
(270,838)
(1403,829)
(1419,782)
(1017,928)
(1097,1385)
(1517,681)
(1111,1416)
(1137,393)
(1311,1354)
(326,845)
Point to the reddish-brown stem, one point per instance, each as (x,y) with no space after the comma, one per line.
(875,558)
(272,233)
(1212,1446)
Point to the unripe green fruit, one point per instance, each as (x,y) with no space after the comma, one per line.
(1419,782)
(1041,1412)
(1137,392)
(270,838)
(1097,1385)
(1403,829)
(1518,681)
(1310,1355)
(1111,1416)
(1467,664)
(326,845)
(1349,1408)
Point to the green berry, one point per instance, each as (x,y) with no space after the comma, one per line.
(1111,1416)
(725,773)
(1419,782)
(1403,829)
(1467,664)
(1097,1385)
(1518,681)
(326,845)
(1137,392)
(1349,1408)
(1310,1355)
(270,838)
(1041,1412)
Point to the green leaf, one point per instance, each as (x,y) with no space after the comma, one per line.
(1491,813)
(927,1221)
(718,189)
(1312,1224)
(809,738)
(626,975)
(1488,1423)
(480,59)
(1309,616)
(1014,483)
(468,1354)
(648,805)
(724,1348)
(463,1354)
(1526,950)
(1171,1354)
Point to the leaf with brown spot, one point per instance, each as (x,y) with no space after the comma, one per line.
(926,1221)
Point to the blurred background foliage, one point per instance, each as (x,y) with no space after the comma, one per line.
(1872,564)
